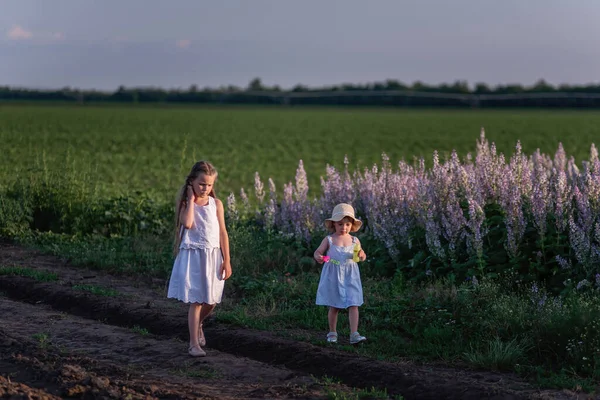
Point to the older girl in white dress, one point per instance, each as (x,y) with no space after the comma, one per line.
(202,245)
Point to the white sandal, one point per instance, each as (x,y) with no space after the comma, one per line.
(332,337)
(196,351)
(356,338)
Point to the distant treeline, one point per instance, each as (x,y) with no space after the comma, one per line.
(388,93)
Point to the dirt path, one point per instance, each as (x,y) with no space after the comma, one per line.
(62,342)
(74,355)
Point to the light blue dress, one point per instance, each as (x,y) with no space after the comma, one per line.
(340,284)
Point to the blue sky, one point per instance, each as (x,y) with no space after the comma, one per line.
(174,44)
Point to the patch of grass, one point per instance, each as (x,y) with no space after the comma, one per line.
(42,339)
(97,290)
(40,276)
(197,371)
(139,330)
(374,393)
(336,391)
(498,354)
(131,256)
(563,379)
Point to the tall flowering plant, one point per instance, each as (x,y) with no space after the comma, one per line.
(480,215)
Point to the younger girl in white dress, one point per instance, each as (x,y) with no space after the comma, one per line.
(340,286)
(202,246)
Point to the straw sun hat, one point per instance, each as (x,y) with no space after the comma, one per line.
(341,211)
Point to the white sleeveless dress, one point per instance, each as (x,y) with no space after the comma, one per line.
(195,275)
(340,285)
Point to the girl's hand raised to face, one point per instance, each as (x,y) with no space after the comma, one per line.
(190,193)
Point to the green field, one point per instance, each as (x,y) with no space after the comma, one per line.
(70,184)
(128,148)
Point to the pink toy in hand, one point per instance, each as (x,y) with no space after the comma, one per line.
(326,258)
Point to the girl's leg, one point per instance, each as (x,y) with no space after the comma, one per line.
(205,311)
(193,321)
(332,316)
(353,317)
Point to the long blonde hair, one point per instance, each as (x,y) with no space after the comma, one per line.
(201,167)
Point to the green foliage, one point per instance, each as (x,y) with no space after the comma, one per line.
(124,150)
(335,391)
(54,204)
(141,331)
(40,276)
(563,379)
(498,355)
(42,339)
(15,219)
(131,216)
(535,262)
(194,370)
(147,255)
(97,290)
(365,94)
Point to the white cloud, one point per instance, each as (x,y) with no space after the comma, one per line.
(18,33)
(184,43)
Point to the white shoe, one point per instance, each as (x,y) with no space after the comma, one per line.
(356,338)
(196,351)
(332,337)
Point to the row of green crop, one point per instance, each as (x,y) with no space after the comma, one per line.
(127,149)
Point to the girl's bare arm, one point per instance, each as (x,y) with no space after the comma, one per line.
(321,251)
(224,241)
(361,254)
